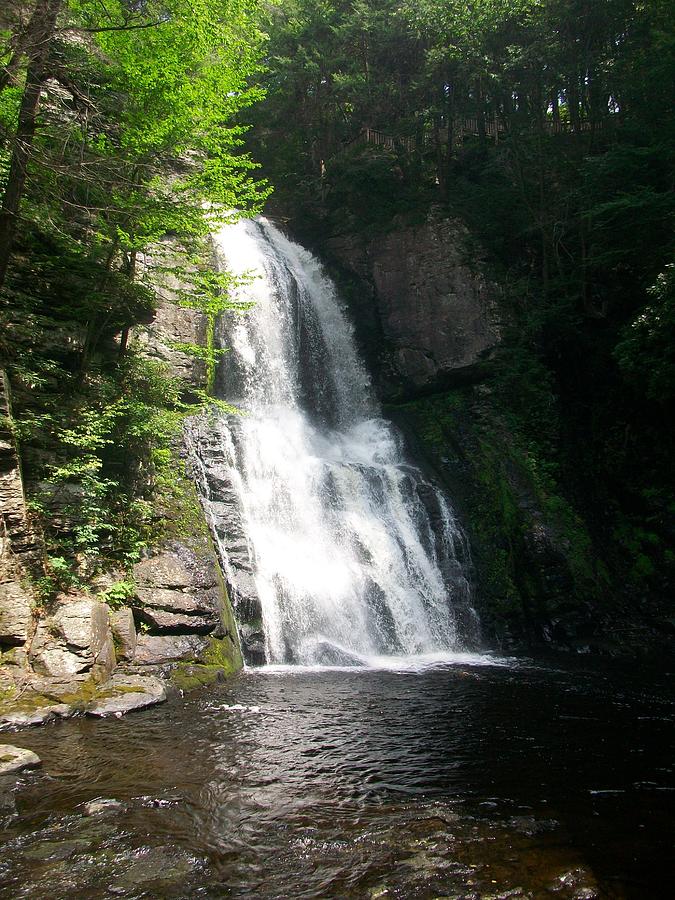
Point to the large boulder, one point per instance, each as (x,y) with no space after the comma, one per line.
(16,613)
(154,649)
(76,637)
(15,759)
(179,592)
(124,693)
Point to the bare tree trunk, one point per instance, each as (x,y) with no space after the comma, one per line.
(124,337)
(38,50)
(480,112)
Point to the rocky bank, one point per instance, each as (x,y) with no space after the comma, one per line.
(129,638)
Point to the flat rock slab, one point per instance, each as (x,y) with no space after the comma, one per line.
(38,716)
(126,693)
(166,622)
(154,649)
(176,601)
(15,759)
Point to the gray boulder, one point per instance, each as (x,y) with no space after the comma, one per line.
(75,638)
(15,759)
(124,693)
(157,649)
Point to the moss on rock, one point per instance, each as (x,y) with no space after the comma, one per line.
(536,569)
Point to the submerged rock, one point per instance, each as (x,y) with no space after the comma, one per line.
(101,806)
(324,653)
(124,693)
(15,759)
(7,802)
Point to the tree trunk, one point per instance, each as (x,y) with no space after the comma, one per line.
(124,337)
(38,50)
(480,112)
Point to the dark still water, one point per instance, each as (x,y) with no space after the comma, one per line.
(464,781)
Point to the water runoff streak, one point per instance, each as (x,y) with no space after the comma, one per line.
(355,555)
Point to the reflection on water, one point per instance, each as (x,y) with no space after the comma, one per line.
(465,780)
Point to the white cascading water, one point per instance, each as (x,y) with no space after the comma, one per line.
(347,564)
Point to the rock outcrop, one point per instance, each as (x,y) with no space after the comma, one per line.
(208,441)
(75,638)
(74,653)
(179,592)
(20,546)
(173,326)
(437,312)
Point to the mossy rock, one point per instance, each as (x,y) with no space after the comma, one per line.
(190,676)
(219,661)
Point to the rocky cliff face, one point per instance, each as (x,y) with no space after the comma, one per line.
(207,442)
(20,548)
(174,325)
(437,314)
(93,649)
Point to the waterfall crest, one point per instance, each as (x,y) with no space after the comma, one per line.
(353,553)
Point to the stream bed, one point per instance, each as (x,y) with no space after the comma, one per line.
(471,778)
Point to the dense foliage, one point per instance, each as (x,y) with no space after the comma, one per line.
(547,126)
(119,150)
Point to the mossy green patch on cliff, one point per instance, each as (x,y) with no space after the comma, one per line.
(181,514)
(225,654)
(533,555)
(190,676)
(221,660)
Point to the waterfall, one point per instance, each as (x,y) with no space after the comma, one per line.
(343,548)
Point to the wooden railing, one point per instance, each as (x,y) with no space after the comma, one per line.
(379,139)
(493,128)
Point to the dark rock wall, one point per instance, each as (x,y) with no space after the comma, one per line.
(437,314)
